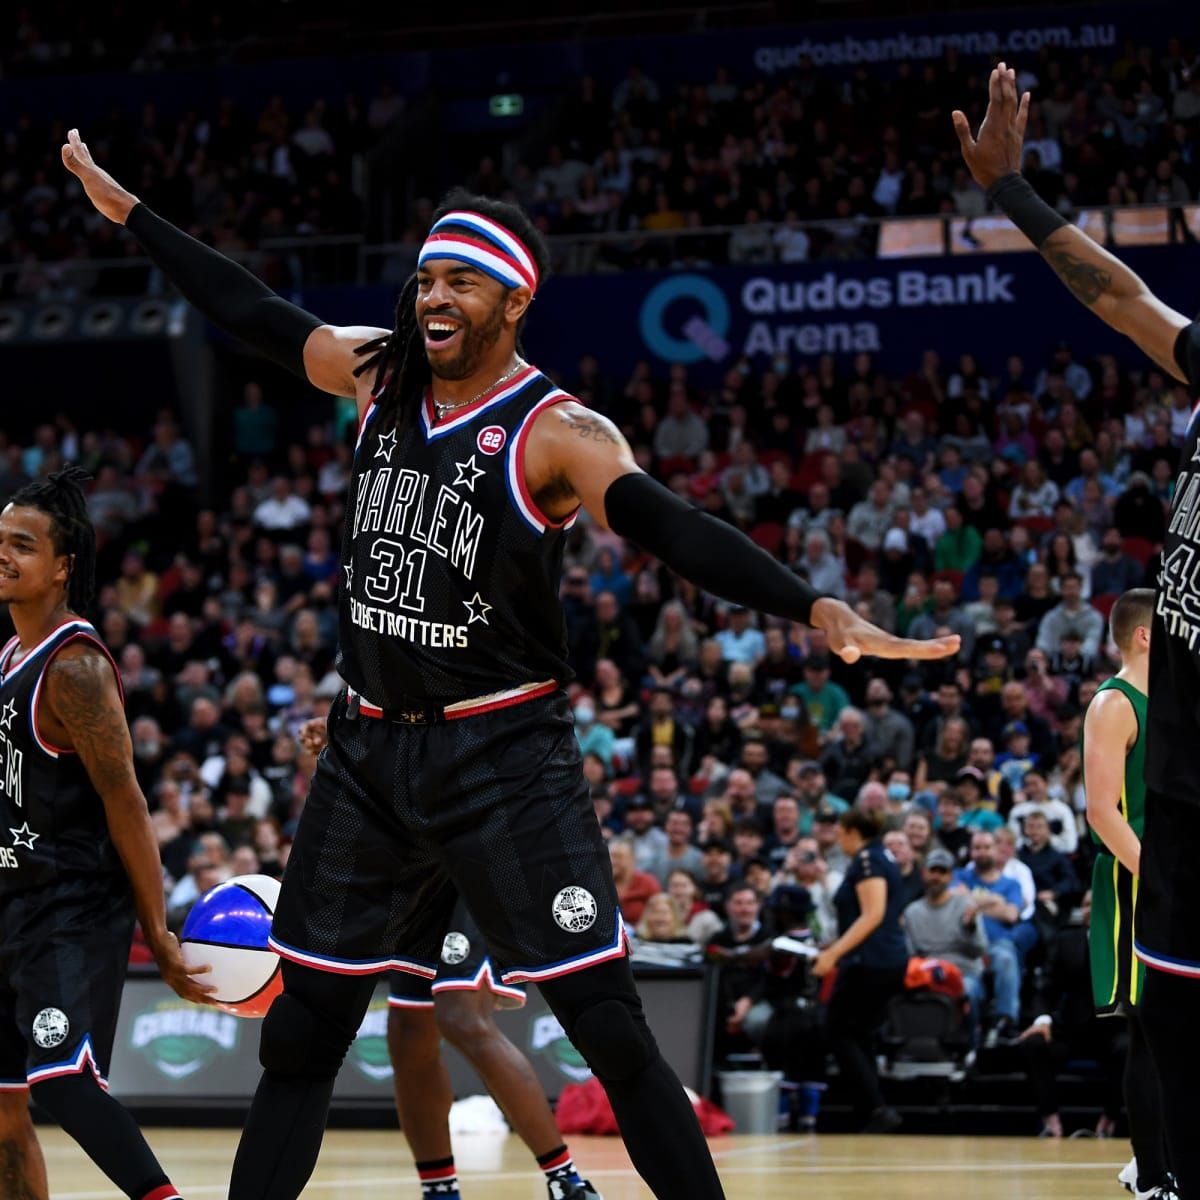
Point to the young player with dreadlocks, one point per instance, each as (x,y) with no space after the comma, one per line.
(78,854)
(452,766)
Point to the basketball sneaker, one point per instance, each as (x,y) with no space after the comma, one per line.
(1128,1176)
(562,1190)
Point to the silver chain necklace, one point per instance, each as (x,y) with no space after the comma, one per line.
(443,409)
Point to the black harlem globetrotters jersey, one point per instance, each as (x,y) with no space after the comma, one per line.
(450,573)
(52,823)
(1173,708)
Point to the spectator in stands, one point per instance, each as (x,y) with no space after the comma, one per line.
(870,955)
(593,737)
(679,853)
(634,887)
(673,650)
(282,511)
(1034,796)
(998,900)
(948,756)
(891,731)
(944,923)
(614,636)
(1053,876)
(823,569)
(716,878)
(755,757)
(952,834)
(738,946)
(663,727)
(823,700)
(851,755)
(739,641)
(698,919)
(912,885)
(660,922)
(870,519)
(944,613)
(682,433)
(1071,613)
(1115,572)
(616,702)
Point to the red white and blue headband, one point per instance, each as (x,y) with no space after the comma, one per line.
(486,244)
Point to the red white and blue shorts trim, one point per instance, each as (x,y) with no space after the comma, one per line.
(538,973)
(84,1059)
(420,992)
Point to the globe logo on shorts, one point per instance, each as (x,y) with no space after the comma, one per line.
(455,949)
(574,909)
(50,1028)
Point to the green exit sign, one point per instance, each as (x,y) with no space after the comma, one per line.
(506,105)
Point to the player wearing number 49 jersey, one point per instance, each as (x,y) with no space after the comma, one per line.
(1167,921)
(77,854)
(452,765)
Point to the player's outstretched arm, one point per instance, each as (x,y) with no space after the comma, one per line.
(576,454)
(1109,729)
(224,291)
(81,691)
(1099,279)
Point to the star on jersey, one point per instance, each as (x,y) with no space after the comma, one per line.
(387,443)
(24,836)
(349,569)
(478,608)
(468,473)
(6,717)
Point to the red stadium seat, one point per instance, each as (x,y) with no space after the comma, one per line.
(768,535)
(676,463)
(1104,604)
(626,787)
(1139,549)
(767,457)
(1036,525)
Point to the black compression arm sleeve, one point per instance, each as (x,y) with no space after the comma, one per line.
(1015,197)
(710,553)
(226,292)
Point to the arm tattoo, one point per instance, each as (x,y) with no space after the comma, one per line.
(82,691)
(14,1178)
(596,428)
(1088,281)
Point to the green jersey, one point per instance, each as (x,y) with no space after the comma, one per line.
(1117,973)
(1133,790)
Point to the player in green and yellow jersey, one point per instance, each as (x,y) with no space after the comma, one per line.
(1114,745)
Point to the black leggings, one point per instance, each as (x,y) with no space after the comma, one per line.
(1143,1103)
(1168,1012)
(310,1028)
(857,1009)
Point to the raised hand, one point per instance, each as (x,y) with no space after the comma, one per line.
(996,150)
(851,636)
(109,197)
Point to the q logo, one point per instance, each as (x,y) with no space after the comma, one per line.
(703,331)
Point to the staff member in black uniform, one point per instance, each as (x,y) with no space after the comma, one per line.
(1167,924)
(870,956)
(78,855)
(452,766)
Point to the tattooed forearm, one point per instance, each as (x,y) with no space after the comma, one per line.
(1087,280)
(596,428)
(82,693)
(15,1180)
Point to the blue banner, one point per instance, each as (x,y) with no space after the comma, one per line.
(989,305)
(476,72)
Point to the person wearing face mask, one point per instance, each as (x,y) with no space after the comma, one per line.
(593,737)
(1116,572)
(899,794)
(890,730)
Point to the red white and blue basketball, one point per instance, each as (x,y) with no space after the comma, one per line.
(227,929)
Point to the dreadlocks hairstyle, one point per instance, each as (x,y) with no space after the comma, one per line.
(401,369)
(60,496)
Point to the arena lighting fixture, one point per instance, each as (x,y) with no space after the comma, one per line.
(149,317)
(101,319)
(12,320)
(52,321)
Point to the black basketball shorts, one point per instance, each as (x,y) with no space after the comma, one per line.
(403,819)
(64,952)
(464,965)
(1167,920)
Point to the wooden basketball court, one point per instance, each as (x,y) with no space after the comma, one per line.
(752,1168)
